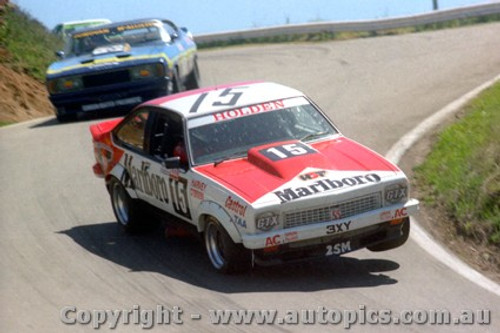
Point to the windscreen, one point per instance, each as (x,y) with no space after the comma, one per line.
(231,134)
(132,34)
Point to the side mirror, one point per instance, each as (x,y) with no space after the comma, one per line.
(174,35)
(186,32)
(60,54)
(172,162)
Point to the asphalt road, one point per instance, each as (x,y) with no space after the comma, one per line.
(60,245)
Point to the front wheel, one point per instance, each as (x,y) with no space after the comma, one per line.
(176,86)
(224,254)
(193,81)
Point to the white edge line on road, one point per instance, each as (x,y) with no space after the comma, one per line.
(418,234)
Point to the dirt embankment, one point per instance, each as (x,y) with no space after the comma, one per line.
(22,97)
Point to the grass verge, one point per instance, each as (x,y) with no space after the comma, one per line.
(461,175)
(4,123)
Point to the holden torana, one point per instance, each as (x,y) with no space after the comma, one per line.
(258,170)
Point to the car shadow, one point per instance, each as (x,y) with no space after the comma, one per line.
(184,258)
(46,123)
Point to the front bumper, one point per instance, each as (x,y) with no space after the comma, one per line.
(325,247)
(117,97)
(319,230)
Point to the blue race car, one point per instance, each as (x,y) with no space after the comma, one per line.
(120,65)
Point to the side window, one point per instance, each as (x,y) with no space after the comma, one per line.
(132,132)
(170,29)
(167,137)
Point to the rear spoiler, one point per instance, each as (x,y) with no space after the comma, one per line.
(100,129)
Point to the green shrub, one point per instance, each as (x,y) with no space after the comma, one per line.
(28,46)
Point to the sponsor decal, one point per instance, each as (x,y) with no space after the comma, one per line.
(273,241)
(180,201)
(110,104)
(291,236)
(239,221)
(281,152)
(267,223)
(157,186)
(325,185)
(135,26)
(199,185)
(144,181)
(235,206)
(398,214)
(111,49)
(401,213)
(109,63)
(196,194)
(249,110)
(312,175)
(103,153)
(387,215)
(338,248)
(288,237)
(395,193)
(91,33)
(197,190)
(338,228)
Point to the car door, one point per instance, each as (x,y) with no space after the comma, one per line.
(170,186)
(132,136)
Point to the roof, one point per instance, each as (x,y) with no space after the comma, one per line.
(232,96)
(85,21)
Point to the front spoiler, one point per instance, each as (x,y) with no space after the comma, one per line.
(311,231)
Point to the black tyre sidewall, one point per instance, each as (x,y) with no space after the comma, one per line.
(235,257)
(132,225)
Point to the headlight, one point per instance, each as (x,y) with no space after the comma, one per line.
(147,71)
(70,83)
(266,221)
(395,193)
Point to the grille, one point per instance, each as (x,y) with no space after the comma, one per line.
(104,79)
(340,210)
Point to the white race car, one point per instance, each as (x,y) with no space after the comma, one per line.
(256,168)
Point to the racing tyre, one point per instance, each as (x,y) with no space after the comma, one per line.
(392,244)
(193,81)
(176,83)
(225,256)
(127,210)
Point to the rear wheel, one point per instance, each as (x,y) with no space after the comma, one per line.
(392,244)
(128,212)
(224,254)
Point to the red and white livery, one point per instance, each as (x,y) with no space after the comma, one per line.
(256,168)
